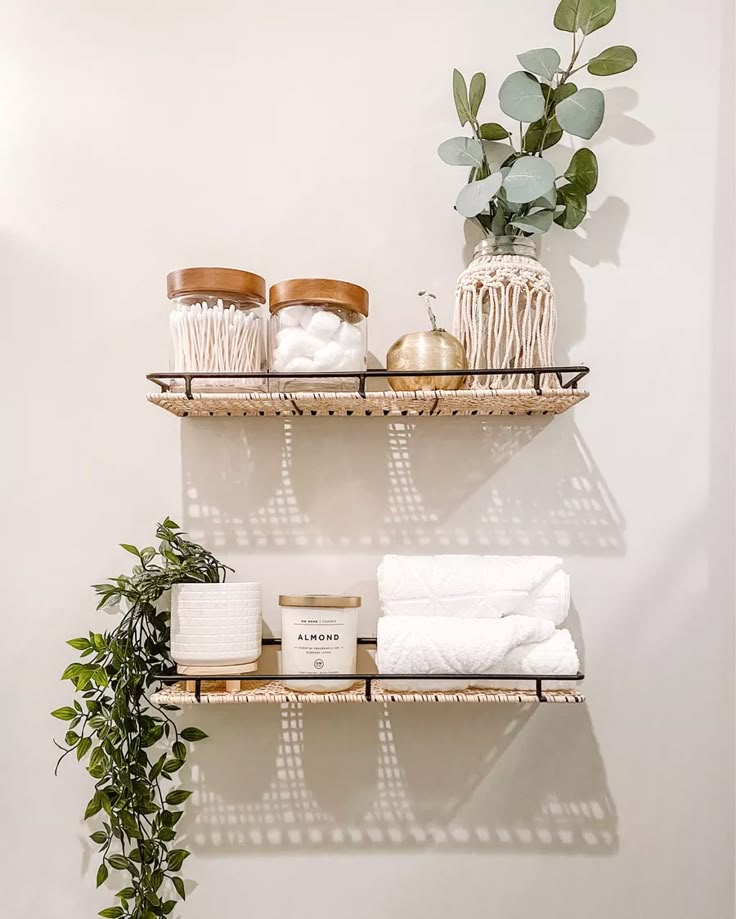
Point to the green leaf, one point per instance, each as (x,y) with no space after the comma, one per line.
(71,738)
(534,223)
(575,204)
(473,199)
(64,714)
(477,91)
(119,862)
(83,747)
(460,94)
(548,201)
(102,874)
(461,151)
(127,893)
(583,170)
(550,131)
(94,806)
(99,837)
(130,826)
(173,765)
(493,131)
(528,178)
(521,97)
(585,15)
(97,758)
(498,224)
(176,859)
(72,671)
(582,113)
(168,907)
(112,912)
(179,751)
(131,549)
(177,797)
(545,62)
(563,91)
(193,734)
(79,644)
(617,59)
(180,888)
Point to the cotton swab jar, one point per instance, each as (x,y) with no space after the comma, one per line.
(216,326)
(317,324)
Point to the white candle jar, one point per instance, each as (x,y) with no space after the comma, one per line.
(216,628)
(317,324)
(216,325)
(319,636)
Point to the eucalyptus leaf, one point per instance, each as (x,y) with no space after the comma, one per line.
(493,131)
(528,179)
(477,91)
(617,59)
(460,94)
(461,151)
(500,219)
(541,135)
(575,204)
(476,196)
(546,201)
(521,97)
(582,113)
(534,223)
(583,170)
(545,62)
(563,91)
(584,15)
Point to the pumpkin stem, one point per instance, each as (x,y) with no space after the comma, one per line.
(428,297)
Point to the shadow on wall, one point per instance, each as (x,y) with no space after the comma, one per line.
(383,777)
(428,484)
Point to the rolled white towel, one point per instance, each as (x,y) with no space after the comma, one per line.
(433,644)
(474,586)
(556,656)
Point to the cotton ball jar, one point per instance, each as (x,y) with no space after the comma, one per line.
(317,325)
(216,326)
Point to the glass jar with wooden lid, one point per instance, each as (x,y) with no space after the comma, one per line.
(317,324)
(216,326)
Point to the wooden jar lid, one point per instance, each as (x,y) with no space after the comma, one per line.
(318,290)
(229,281)
(323,601)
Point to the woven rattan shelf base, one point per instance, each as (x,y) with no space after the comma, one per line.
(214,693)
(428,402)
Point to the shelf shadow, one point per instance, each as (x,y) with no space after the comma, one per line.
(356,485)
(306,777)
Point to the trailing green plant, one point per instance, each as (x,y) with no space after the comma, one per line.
(524,195)
(130,745)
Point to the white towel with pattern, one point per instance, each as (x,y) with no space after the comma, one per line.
(474,586)
(436,644)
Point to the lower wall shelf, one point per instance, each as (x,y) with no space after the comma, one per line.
(273,691)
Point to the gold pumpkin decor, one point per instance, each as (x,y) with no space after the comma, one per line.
(433,350)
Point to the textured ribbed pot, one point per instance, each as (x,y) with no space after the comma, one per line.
(216,626)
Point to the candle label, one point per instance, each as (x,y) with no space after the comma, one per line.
(318,641)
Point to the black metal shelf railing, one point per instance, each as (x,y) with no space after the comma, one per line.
(567,377)
(368,679)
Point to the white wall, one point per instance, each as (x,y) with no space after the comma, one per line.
(299,139)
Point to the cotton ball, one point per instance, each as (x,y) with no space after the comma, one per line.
(300,365)
(352,359)
(324,325)
(305,314)
(289,317)
(329,357)
(350,336)
(278,360)
(297,343)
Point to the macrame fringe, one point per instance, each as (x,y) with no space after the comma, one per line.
(505,317)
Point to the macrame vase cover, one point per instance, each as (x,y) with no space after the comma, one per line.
(505,317)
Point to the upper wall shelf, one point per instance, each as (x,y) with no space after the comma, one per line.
(542,391)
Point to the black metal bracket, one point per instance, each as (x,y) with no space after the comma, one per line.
(368,679)
(164,380)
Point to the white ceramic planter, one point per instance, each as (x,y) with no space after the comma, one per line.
(216,627)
